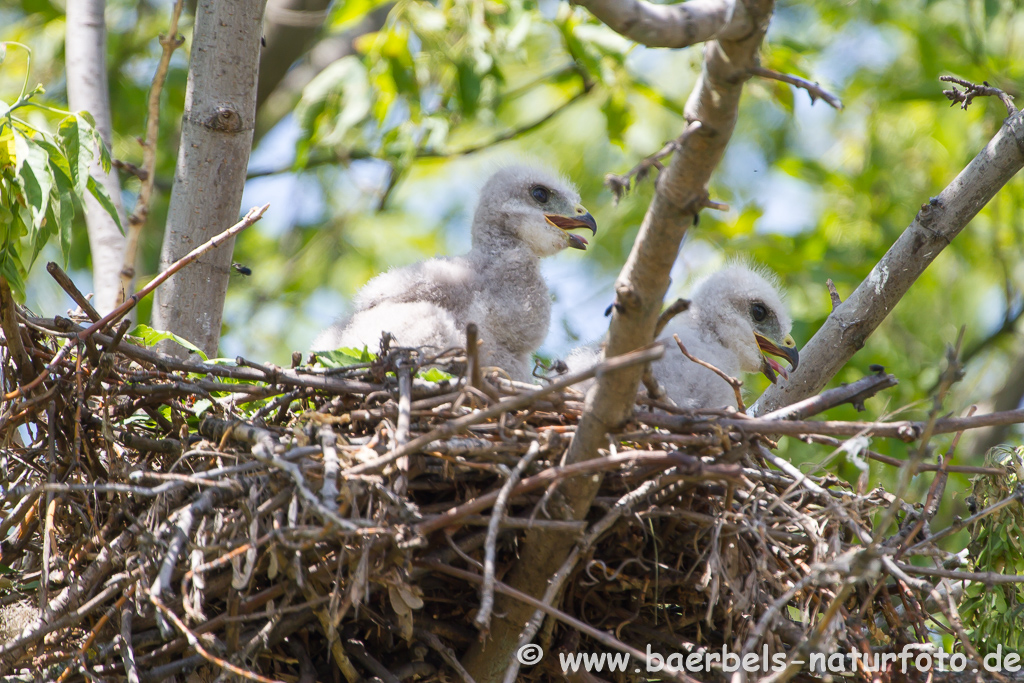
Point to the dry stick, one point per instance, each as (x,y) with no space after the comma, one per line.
(696,470)
(254,215)
(935,492)
(732,381)
(127,652)
(600,636)
(483,615)
(620,184)
(972,90)
(924,467)
(12,333)
(473,355)
(328,441)
(813,89)
(987,578)
(1016,496)
(444,651)
(404,420)
(83,650)
(904,430)
(62,279)
(855,393)
(169,42)
(194,641)
(644,355)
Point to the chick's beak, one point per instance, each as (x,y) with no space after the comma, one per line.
(582,219)
(786,350)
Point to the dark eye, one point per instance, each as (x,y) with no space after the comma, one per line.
(541,194)
(758,312)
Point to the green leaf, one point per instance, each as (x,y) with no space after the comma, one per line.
(36,177)
(79,155)
(151,337)
(344,357)
(88,126)
(434,375)
(100,193)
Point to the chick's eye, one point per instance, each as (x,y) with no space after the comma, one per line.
(758,312)
(541,194)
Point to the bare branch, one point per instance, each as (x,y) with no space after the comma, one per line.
(679,25)
(732,381)
(938,222)
(972,90)
(147,174)
(813,89)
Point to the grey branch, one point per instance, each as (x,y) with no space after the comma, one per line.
(85,48)
(938,222)
(679,25)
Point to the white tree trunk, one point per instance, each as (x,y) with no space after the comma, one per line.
(216,138)
(85,47)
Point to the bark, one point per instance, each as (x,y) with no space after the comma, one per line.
(938,222)
(85,47)
(681,193)
(678,25)
(216,138)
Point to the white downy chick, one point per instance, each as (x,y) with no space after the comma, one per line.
(736,317)
(524,214)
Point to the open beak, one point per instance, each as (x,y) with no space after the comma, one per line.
(787,350)
(582,219)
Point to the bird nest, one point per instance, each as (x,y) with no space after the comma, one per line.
(165,517)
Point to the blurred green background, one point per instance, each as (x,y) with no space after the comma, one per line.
(371,151)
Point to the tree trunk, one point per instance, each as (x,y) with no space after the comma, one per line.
(85,46)
(217,129)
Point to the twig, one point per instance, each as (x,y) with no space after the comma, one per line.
(833,294)
(65,282)
(404,418)
(732,381)
(12,335)
(254,215)
(197,645)
(813,89)
(855,393)
(483,616)
(620,184)
(675,308)
(328,441)
(169,42)
(987,578)
(1015,497)
(972,90)
(473,355)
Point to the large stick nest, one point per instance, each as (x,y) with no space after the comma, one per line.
(178,519)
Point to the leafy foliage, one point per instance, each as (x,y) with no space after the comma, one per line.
(41,174)
(994,615)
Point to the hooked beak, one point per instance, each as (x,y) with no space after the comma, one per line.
(582,219)
(787,350)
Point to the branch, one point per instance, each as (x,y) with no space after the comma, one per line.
(972,90)
(147,173)
(813,89)
(679,25)
(936,225)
